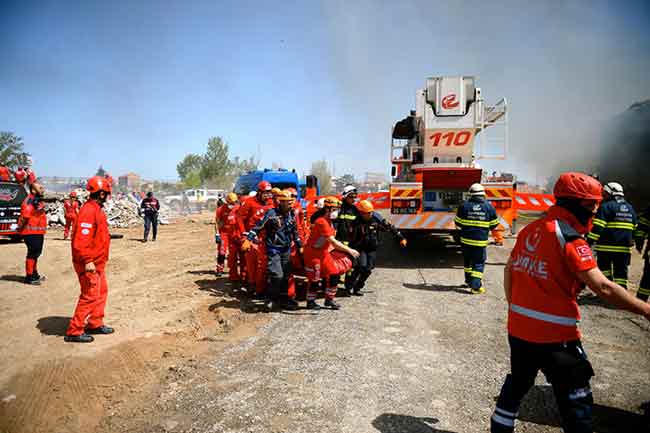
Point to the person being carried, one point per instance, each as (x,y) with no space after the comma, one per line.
(280,234)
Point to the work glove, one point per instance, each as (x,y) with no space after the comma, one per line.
(246,245)
(403,243)
(217,238)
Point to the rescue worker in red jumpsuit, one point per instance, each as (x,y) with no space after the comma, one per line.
(250,213)
(319,263)
(548,266)
(90,246)
(32,226)
(20,175)
(228,228)
(5,174)
(71,208)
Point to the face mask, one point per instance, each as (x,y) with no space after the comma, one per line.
(582,214)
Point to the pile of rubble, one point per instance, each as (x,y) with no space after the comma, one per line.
(121,211)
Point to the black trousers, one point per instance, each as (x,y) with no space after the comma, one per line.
(34,245)
(644,286)
(361,271)
(474,264)
(614,266)
(278,270)
(566,368)
(150,221)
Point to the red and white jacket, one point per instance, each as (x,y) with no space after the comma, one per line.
(91,240)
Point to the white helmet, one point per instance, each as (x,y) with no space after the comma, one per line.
(613,189)
(252,193)
(320,203)
(476,190)
(349,189)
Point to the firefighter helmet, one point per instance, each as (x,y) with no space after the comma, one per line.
(579,186)
(284,195)
(349,189)
(331,201)
(264,186)
(275,191)
(293,191)
(98,183)
(231,198)
(476,190)
(613,189)
(365,206)
(73,194)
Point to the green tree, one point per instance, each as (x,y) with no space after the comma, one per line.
(193,179)
(190,164)
(322,172)
(216,166)
(12,154)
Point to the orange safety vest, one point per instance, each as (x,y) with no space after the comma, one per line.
(544,262)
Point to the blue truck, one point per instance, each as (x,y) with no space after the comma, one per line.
(278,178)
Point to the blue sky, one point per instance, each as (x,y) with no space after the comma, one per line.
(135,85)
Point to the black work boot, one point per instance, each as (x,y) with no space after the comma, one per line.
(312,305)
(100,330)
(31,279)
(332,304)
(83,338)
(291,304)
(357,292)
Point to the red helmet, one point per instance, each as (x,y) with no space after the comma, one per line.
(73,194)
(578,185)
(20,175)
(98,183)
(264,186)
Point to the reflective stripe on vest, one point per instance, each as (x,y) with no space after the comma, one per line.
(544,317)
(34,228)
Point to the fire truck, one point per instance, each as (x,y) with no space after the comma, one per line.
(12,195)
(435,153)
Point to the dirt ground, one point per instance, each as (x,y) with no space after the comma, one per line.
(416,354)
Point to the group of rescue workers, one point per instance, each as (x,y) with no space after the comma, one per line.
(267,240)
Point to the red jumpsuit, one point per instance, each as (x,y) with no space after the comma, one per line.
(90,243)
(33,223)
(230,229)
(250,213)
(319,263)
(71,211)
(4,174)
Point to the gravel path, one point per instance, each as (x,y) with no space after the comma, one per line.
(417,354)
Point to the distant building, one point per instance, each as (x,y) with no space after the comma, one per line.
(129,182)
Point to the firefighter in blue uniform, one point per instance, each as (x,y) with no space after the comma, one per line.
(612,234)
(475,219)
(281,233)
(640,235)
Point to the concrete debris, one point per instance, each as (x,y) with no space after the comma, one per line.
(122,211)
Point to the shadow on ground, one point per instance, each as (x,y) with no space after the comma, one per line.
(394,423)
(438,288)
(231,296)
(53,325)
(14,278)
(427,252)
(591,299)
(539,407)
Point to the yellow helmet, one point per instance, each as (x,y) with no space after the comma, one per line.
(283,196)
(331,201)
(275,191)
(365,206)
(232,198)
